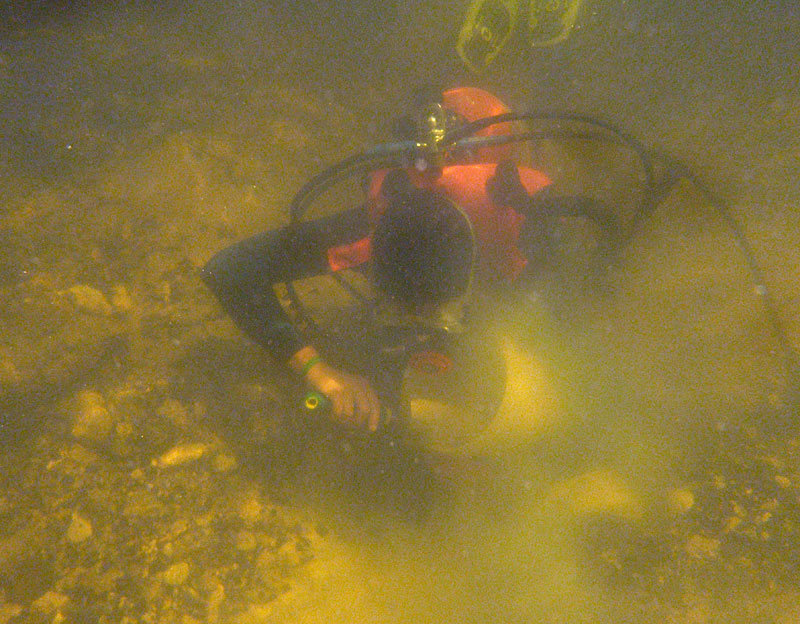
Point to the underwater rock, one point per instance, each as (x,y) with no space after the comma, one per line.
(289,555)
(9,374)
(214,601)
(80,455)
(91,419)
(90,300)
(224,463)
(124,429)
(121,299)
(680,501)
(79,530)
(601,492)
(250,509)
(174,411)
(53,357)
(267,559)
(782,481)
(245,541)
(50,602)
(142,503)
(8,612)
(701,547)
(177,573)
(181,454)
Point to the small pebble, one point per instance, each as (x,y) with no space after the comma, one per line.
(289,556)
(250,509)
(224,463)
(79,530)
(784,482)
(9,375)
(214,601)
(50,602)
(124,429)
(90,300)
(701,547)
(9,611)
(680,501)
(91,420)
(245,541)
(121,299)
(181,454)
(731,523)
(176,574)
(81,455)
(174,410)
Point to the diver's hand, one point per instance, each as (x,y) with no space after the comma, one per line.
(353,401)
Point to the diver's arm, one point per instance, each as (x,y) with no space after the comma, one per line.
(243,277)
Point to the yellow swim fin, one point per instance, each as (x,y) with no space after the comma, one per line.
(487,27)
(549,21)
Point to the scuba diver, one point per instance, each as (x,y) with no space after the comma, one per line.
(433,235)
(450,222)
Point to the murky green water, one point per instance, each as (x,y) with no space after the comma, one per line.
(149,470)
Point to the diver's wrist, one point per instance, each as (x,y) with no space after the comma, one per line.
(304,361)
(311,363)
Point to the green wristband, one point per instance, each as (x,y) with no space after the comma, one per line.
(309,365)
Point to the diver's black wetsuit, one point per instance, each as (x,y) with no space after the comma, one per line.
(242,276)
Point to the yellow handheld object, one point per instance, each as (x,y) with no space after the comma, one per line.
(486,29)
(550,21)
(315,402)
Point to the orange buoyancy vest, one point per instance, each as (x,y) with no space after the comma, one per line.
(496,228)
(473,104)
